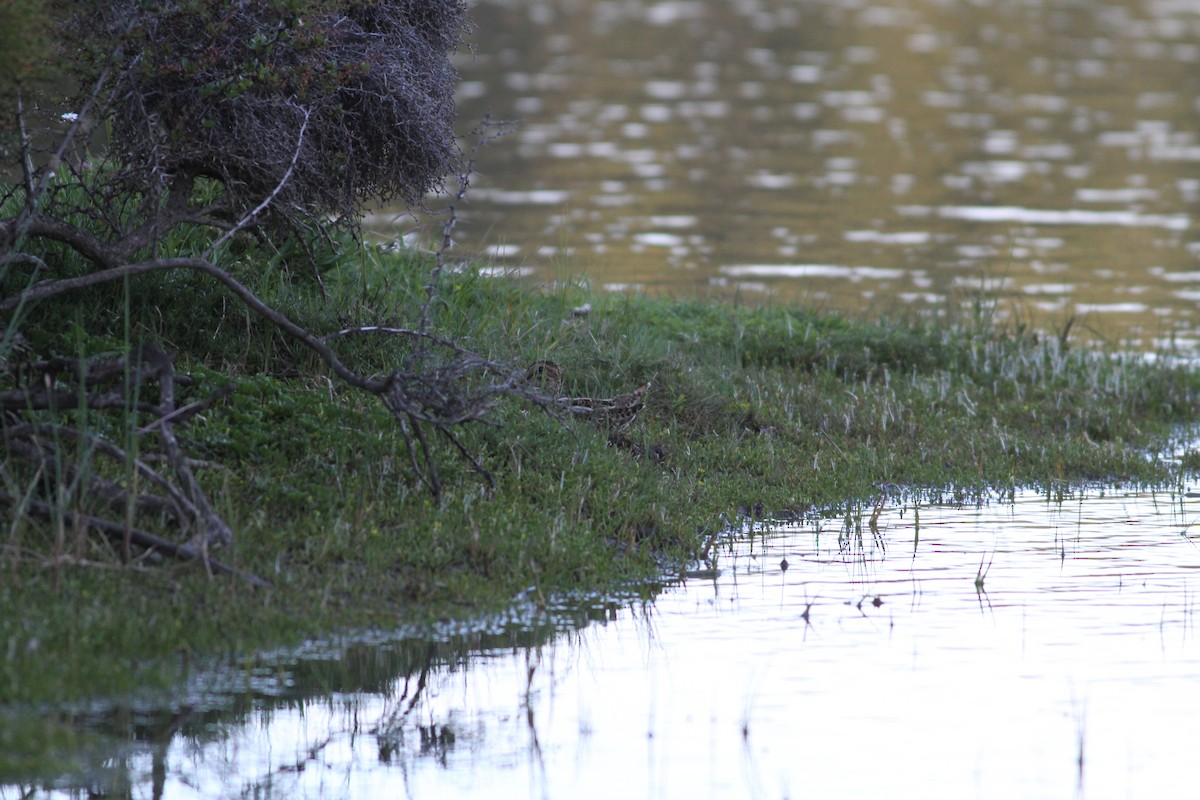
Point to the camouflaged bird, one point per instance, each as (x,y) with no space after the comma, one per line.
(613,412)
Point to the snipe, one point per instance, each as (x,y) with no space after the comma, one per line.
(545,375)
(613,412)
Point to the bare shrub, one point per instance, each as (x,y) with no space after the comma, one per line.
(355,99)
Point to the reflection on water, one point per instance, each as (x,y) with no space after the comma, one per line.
(1028,647)
(851,155)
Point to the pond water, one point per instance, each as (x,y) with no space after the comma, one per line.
(898,158)
(1029,646)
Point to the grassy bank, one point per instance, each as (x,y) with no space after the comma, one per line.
(768,411)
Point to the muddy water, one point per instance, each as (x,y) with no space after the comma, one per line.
(1029,647)
(890,158)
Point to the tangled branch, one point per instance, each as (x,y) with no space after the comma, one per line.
(223,89)
(110,383)
(442,397)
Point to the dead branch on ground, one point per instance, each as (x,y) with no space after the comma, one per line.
(126,384)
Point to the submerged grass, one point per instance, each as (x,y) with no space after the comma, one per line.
(768,411)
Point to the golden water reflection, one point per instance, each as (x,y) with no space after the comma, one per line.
(880,158)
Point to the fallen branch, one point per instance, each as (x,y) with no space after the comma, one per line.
(215,530)
(111,382)
(118,531)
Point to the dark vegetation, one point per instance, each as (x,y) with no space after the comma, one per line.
(305,108)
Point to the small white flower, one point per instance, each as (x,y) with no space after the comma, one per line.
(69,116)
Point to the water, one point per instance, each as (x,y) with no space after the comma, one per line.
(1027,647)
(897,158)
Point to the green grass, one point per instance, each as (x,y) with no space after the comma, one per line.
(772,408)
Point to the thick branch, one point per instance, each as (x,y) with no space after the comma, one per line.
(79,240)
(95,249)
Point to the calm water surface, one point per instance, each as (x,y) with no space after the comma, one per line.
(872,666)
(893,157)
